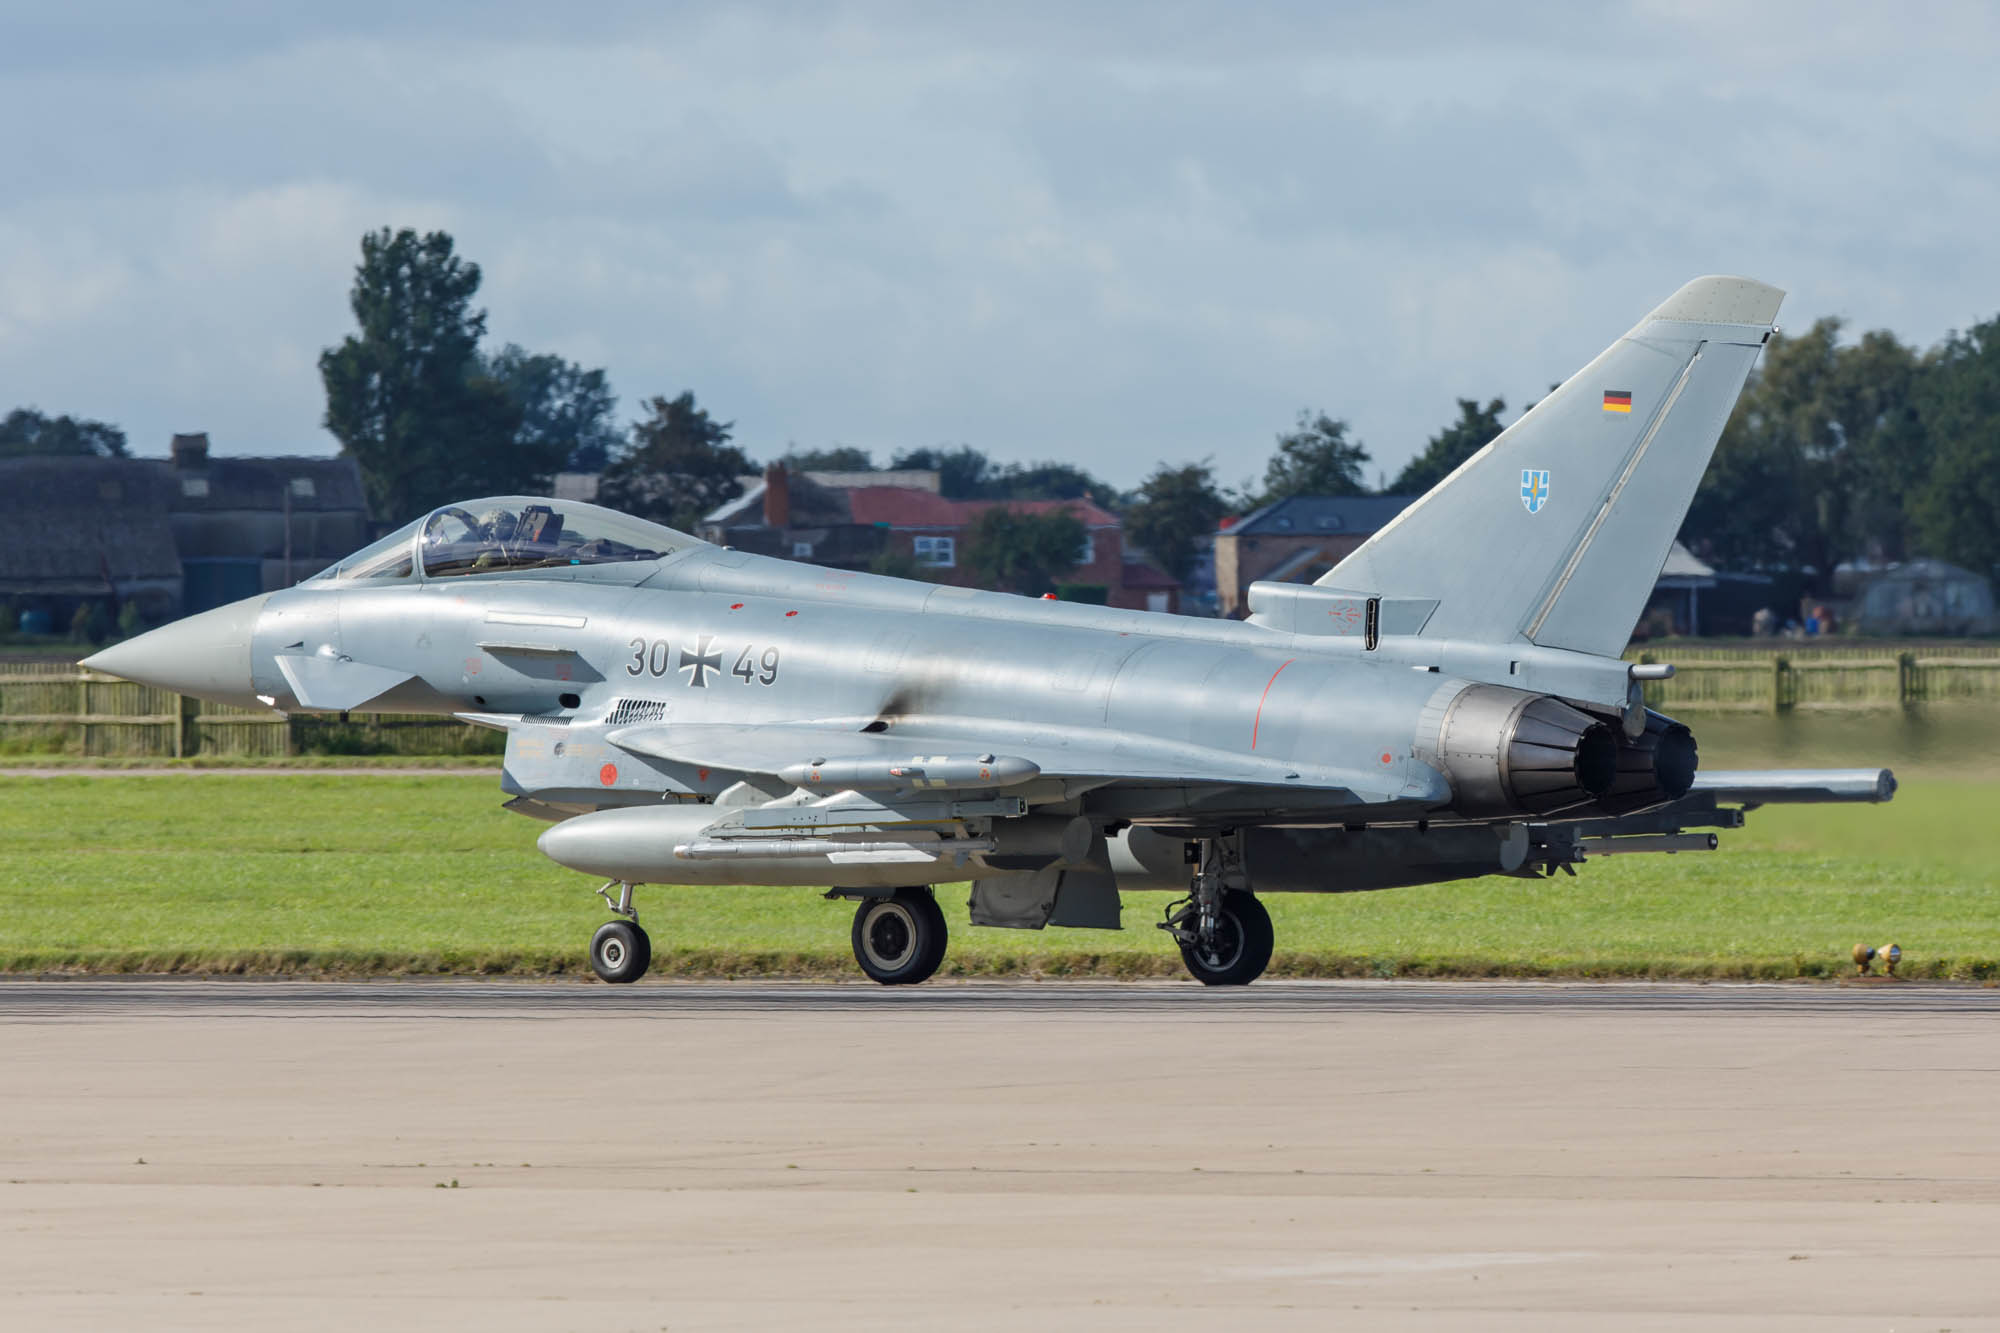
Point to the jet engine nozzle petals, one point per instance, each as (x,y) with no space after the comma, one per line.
(1509,752)
(1655,769)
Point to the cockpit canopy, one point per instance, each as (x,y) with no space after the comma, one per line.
(510,533)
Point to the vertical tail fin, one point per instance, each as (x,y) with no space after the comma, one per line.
(1556,531)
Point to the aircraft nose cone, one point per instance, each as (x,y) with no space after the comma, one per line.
(206,655)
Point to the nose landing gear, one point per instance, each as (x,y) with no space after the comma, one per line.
(620,952)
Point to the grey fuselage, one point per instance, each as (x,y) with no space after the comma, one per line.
(715,636)
(655,692)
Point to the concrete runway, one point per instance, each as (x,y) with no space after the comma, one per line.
(222,1154)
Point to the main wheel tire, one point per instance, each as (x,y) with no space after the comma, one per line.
(1241,949)
(900,940)
(620,952)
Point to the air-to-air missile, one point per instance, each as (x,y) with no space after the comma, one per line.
(1447,702)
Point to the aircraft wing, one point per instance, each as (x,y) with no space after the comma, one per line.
(773,748)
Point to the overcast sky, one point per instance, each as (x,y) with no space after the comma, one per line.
(1112,234)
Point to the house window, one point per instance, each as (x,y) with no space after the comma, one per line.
(194,488)
(302,487)
(802,550)
(1156,601)
(936,552)
(1088,551)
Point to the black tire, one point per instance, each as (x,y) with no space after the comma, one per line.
(900,940)
(620,952)
(1242,948)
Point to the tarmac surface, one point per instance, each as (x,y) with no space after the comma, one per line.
(204,1154)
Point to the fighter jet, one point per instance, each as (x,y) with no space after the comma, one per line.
(1448,702)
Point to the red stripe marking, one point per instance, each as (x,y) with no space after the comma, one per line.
(1258,721)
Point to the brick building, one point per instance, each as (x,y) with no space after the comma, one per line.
(172,536)
(1294,541)
(849,520)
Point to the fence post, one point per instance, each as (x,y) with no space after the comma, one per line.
(83,710)
(1908,685)
(1781,675)
(187,729)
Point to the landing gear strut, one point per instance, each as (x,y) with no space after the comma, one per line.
(1224,933)
(620,952)
(900,940)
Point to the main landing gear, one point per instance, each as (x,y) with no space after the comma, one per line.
(620,952)
(899,940)
(1224,933)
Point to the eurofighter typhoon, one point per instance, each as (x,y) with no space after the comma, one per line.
(1448,702)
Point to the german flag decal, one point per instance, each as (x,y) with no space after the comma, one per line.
(1618,400)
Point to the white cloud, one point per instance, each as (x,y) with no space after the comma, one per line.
(1116,234)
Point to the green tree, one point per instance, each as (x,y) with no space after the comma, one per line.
(408,396)
(678,467)
(1023,553)
(1049,481)
(27,432)
(1880,380)
(966,473)
(895,564)
(1956,505)
(1475,428)
(833,458)
(1818,458)
(566,411)
(961,470)
(1176,508)
(1316,458)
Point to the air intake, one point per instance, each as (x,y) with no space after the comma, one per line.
(627,711)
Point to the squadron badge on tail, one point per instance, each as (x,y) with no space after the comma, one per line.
(1534,488)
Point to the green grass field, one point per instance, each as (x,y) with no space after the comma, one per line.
(333,875)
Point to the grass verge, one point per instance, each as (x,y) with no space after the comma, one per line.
(405,874)
(224,762)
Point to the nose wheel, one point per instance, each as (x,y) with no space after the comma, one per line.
(620,952)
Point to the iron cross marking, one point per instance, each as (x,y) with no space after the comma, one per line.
(700,662)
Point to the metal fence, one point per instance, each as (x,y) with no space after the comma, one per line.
(58,709)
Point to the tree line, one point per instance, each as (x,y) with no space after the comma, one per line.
(1863,451)
(430,416)
(1870,451)
(1837,451)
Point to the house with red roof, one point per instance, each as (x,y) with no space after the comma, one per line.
(855,520)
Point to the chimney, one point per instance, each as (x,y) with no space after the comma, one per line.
(777,496)
(191,451)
